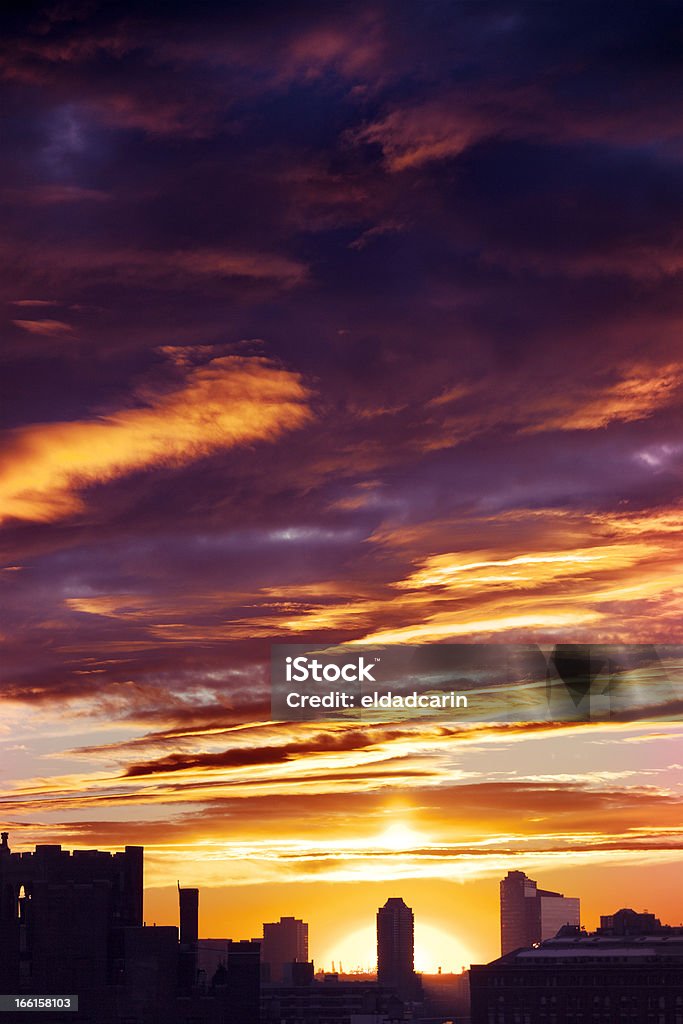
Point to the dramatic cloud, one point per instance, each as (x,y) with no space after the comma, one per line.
(541,578)
(338,323)
(228,402)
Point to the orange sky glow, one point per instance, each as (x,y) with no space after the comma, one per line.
(336,327)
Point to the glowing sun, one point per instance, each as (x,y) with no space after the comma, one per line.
(434,948)
(400,837)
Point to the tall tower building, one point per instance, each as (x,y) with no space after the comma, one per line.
(188,900)
(284,942)
(396,947)
(529,914)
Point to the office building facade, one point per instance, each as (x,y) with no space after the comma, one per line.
(284,942)
(529,915)
(396,948)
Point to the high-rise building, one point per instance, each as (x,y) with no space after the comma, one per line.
(529,915)
(188,902)
(284,942)
(396,947)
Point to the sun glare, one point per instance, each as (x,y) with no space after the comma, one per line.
(400,837)
(434,948)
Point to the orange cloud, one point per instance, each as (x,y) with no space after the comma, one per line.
(641,391)
(50,328)
(412,136)
(574,814)
(537,573)
(417,133)
(230,401)
(454,571)
(638,392)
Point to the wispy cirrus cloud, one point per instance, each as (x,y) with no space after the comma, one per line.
(641,392)
(413,134)
(167,266)
(56,194)
(623,395)
(48,328)
(227,402)
(549,582)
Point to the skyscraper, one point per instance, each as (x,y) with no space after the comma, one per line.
(529,914)
(188,900)
(396,947)
(284,942)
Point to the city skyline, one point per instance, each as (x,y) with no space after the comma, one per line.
(528,916)
(321,324)
(72,921)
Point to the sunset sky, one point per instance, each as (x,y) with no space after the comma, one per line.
(351,322)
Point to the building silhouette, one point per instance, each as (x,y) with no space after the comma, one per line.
(577,978)
(238,983)
(629,922)
(58,913)
(188,912)
(396,948)
(329,1000)
(529,915)
(285,942)
(71,923)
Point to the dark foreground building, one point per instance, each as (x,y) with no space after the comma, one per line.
(64,916)
(577,978)
(446,997)
(284,942)
(330,1001)
(72,924)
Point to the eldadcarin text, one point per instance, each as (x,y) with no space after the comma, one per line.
(341,699)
